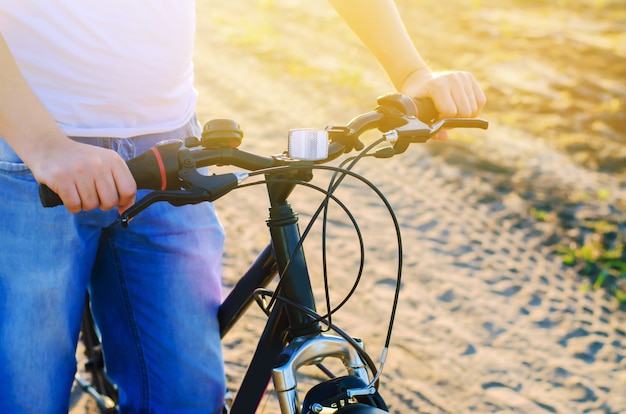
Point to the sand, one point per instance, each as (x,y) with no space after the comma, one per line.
(490,319)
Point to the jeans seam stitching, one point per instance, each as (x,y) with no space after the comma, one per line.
(135,332)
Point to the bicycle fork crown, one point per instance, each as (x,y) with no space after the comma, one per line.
(309,351)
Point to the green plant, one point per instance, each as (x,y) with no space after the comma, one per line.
(602,256)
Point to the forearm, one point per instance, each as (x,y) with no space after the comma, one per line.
(379,26)
(24,121)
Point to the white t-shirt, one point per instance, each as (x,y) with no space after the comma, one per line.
(114,68)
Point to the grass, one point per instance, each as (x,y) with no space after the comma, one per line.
(602,257)
(598,246)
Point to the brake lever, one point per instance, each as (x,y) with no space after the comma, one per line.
(190,196)
(416,131)
(458,123)
(203,188)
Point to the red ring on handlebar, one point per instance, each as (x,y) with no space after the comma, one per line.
(161,165)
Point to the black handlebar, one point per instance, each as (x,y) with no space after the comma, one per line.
(170,168)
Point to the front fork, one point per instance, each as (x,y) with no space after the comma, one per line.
(309,351)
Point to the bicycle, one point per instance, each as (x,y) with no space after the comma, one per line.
(295,335)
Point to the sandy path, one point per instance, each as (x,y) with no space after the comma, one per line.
(489,320)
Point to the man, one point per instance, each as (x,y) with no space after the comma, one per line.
(117,77)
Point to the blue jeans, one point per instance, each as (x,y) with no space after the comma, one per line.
(155,289)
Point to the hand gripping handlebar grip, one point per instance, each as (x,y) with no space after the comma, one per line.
(422,108)
(426,110)
(155,169)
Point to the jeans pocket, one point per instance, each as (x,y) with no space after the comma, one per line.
(16,171)
(10,163)
(13,167)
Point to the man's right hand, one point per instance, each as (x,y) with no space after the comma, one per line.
(84,176)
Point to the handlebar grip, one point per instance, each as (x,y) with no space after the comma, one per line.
(142,168)
(426,111)
(48,197)
(147,170)
(423,108)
